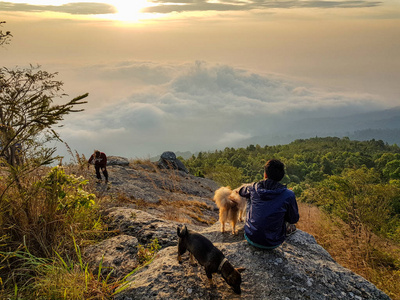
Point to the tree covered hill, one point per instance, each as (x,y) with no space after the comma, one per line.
(356,184)
(309,160)
(380,125)
(357,181)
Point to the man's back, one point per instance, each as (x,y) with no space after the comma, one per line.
(269,206)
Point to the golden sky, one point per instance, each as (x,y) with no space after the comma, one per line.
(336,49)
(349,44)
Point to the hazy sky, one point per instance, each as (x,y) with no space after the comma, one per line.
(198,75)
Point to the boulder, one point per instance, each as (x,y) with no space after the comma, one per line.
(117,161)
(168,160)
(142,225)
(116,255)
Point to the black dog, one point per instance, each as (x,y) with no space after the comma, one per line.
(208,256)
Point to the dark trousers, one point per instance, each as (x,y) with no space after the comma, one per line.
(103,169)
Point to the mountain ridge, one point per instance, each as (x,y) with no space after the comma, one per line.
(380,125)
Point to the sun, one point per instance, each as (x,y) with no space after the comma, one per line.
(129,11)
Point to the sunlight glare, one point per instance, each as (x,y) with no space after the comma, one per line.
(129,11)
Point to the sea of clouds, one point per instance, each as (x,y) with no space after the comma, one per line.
(140,109)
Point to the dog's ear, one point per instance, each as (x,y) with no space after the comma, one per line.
(240,270)
(181,232)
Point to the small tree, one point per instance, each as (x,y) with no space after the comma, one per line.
(227,175)
(27,118)
(4,36)
(27,113)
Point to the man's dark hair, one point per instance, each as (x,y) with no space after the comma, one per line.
(274,169)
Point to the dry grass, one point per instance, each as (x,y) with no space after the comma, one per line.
(71,284)
(368,255)
(39,216)
(166,179)
(178,210)
(143,164)
(183,211)
(38,219)
(139,204)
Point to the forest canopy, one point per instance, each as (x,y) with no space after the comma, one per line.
(358,181)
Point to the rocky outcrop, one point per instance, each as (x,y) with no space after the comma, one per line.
(117,161)
(143,226)
(168,160)
(299,269)
(162,192)
(116,255)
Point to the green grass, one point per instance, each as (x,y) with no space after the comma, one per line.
(43,220)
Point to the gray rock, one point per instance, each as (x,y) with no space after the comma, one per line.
(116,255)
(168,160)
(147,184)
(299,269)
(143,226)
(117,161)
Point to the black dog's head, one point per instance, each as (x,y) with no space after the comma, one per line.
(182,231)
(232,276)
(182,234)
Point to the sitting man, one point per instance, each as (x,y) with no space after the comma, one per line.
(271,208)
(100,162)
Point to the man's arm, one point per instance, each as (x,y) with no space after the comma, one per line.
(244,190)
(104,159)
(292,213)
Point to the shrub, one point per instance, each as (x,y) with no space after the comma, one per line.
(145,254)
(40,219)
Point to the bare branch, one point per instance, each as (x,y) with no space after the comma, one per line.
(4,36)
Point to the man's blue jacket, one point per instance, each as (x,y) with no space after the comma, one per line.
(269,206)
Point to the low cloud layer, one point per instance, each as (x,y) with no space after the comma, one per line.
(78,8)
(167,6)
(194,107)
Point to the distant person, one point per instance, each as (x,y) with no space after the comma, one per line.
(100,162)
(271,208)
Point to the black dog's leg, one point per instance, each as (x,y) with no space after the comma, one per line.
(209,276)
(192,260)
(181,250)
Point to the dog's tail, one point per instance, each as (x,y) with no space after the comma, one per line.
(222,199)
(241,201)
(182,231)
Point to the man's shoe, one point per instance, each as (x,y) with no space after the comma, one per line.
(290,229)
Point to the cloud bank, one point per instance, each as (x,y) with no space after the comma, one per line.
(180,6)
(167,6)
(195,107)
(76,8)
